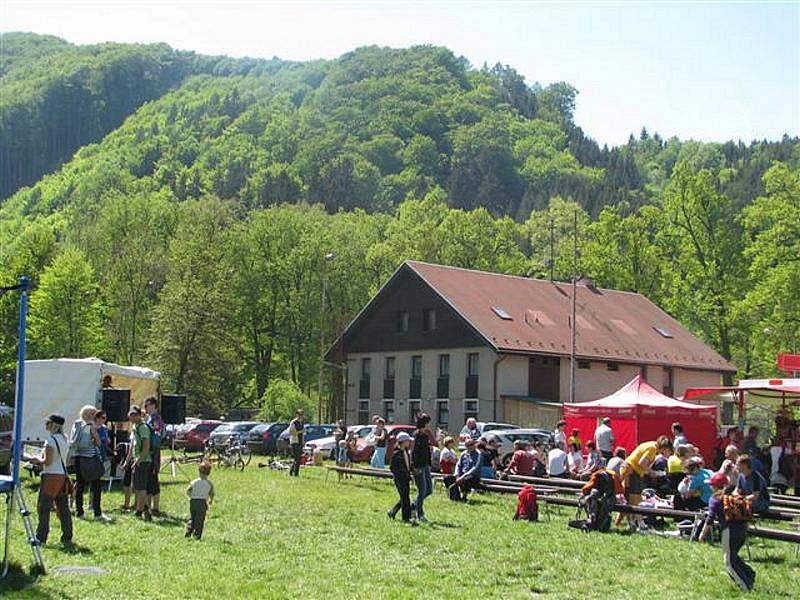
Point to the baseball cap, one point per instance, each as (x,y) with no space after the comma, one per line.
(134,410)
(403,437)
(55,418)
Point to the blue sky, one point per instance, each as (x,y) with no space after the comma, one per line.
(708,71)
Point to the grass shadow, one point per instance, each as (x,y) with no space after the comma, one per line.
(769,559)
(74,549)
(19,580)
(443,525)
(165,520)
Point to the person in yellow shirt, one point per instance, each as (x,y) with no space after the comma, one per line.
(675,465)
(575,438)
(637,466)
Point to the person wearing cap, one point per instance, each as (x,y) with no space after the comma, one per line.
(468,469)
(141,459)
(400,466)
(604,438)
(734,535)
(694,491)
(54,475)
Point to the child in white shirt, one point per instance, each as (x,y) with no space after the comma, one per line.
(201,495)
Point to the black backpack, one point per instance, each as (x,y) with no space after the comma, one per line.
(598,502)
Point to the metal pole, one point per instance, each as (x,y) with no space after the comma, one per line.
(23,313)
(321,347)
(574,307)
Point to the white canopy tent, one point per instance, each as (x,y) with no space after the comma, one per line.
(64,385)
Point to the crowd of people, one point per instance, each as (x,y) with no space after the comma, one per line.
(87,454)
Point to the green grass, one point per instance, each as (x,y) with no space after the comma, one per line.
(313,537)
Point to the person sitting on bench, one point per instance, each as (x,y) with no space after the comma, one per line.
(522,461)
(468,469)
(752,485)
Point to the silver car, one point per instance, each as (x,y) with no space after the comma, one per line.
(507,438)
(235,429)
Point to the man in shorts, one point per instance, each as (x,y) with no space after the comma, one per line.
(142,460)
(636,468)
(156,426)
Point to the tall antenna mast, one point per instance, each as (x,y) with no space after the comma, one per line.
(574,305)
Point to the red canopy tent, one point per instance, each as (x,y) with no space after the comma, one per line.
(640,413)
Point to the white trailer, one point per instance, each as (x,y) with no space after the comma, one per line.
(64,385)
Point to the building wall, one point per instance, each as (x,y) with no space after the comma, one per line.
(430,372)
(593,383)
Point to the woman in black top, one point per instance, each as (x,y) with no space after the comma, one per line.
(421,461)
(400,466)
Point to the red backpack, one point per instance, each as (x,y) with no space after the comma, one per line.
(527,504)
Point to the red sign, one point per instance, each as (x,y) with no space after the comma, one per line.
(788,362)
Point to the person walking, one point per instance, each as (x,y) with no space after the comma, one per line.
(604,438)
(85,447)
(296,429)
(201,495)
(54,488)
(400,466)
(380,436)
(421,462)
(734,535)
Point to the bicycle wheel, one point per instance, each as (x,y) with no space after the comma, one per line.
(247,456)
(212,455)
(239,463)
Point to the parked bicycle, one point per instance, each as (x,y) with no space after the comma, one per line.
(232,454)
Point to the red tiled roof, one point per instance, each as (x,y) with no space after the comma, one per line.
(612,325)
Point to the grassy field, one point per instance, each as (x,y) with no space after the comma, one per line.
(272,536)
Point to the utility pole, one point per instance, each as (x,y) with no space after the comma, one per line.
(552,248)
(574,306)
(328,258)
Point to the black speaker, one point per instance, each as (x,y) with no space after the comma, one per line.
(173,409)
(116,403)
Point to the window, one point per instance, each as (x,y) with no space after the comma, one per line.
(416,367)
(363,385)
(584,364)
(388,380)
(470,409)
(443,381)
(443,413)
(415,383)
(667,381)
(363,412)
(663,332)
(473,364)
(402,321)
(388,411)
(444,365)
(502,313)
(471,383)
(429,319)
(414,408)
(612,366)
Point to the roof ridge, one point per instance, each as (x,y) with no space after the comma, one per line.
(411,263)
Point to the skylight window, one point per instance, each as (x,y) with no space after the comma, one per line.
(663,332)
(502,314)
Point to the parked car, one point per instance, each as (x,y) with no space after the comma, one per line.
(484,427)
(365,447)
(326,445)
(6,436)
(263,438)
(193,436)
(311,432)
(234,429)
(507,438)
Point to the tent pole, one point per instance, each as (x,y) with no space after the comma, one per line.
(23,313)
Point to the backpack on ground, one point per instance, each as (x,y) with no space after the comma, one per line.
(527,504)
(453,491)
(598,498)
(736,508)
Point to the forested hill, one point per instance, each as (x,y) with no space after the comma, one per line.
(362,131)
(179,207)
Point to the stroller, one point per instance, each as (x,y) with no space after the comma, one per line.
(596,502)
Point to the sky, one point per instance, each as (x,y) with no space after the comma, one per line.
(704,71)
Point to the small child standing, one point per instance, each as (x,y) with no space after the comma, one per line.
(201,495)
(341,456)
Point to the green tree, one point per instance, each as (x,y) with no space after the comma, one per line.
(66,313)
(281,399)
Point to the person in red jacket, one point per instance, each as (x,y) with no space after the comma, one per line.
(522,461)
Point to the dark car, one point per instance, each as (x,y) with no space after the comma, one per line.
(235,430)
(263,438)
(311,432)
(194,437)
(6,436)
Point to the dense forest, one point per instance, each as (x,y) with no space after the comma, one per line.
(179,208)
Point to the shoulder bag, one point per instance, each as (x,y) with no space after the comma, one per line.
(91,468)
